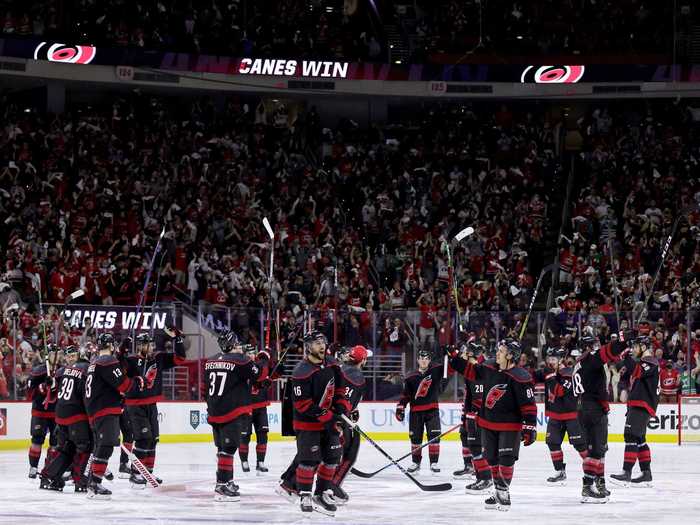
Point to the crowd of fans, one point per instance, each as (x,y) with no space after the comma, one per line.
(288,28)
(360,235)
(441,30)
(575,27)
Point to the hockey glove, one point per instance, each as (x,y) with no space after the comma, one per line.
(263,355)
(529,435)
(354,416)
(151,375)
(400,413)
(450,350)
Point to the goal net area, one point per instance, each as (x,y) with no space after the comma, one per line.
(689,419)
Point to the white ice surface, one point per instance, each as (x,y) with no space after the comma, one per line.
(389,498)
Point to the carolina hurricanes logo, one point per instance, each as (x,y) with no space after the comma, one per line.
(424,387)
(496,393)
(327,397)
(552,74)
(65,53)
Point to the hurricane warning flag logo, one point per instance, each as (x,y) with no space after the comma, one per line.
(424,387)
(552,74)
(65,53)
(496,393)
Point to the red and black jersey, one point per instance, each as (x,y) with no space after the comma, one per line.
(644,384)
(318,392)
(228,381)
(43,398)
(508,399)
(70,406)
(138,366)
(105,385)
(559,399)
(590,382)
(355,384)
(474,389)
(422,389)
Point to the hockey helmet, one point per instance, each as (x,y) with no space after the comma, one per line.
(227,340)
(105,340)
(425,354)
(315,336)
(144,338)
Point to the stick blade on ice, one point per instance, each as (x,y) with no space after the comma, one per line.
(466,232)
(266,223)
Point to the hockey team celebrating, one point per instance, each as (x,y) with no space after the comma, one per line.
(84,397)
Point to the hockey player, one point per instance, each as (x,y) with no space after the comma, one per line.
(75,437)
(141,405)
(470,433)
(508,414)
(124,419)
(641,405)
(560,408)
(41,390)
(229,377)
(591,391)
(421,389)
(355,384)
(258,419)
(105,385)
(318,395)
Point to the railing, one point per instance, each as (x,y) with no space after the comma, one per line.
(395,336)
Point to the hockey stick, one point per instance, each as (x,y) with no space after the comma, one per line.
(428,488)
(616,293)
(139,466)
(271,234)
(372,474)
(461,235)
(685,211)
(145,289)
(545,270)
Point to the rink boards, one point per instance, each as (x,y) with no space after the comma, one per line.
(187,422)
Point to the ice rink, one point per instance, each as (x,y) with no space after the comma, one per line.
(389,498)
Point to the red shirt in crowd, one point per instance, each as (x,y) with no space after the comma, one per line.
(670,380)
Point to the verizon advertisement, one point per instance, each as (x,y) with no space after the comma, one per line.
(187,421)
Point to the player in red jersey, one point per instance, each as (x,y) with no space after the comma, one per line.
(141,405)
(105,384)
(560,408)
(41,391)
(318,395)
(508,413)
(421,389)
(229,377)
(641,406)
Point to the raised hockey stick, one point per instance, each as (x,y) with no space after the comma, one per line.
(139,311)
(616,293)
(545,270)
(271,234)
(441,487)
(667,245)
(461,235)
(372,474)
